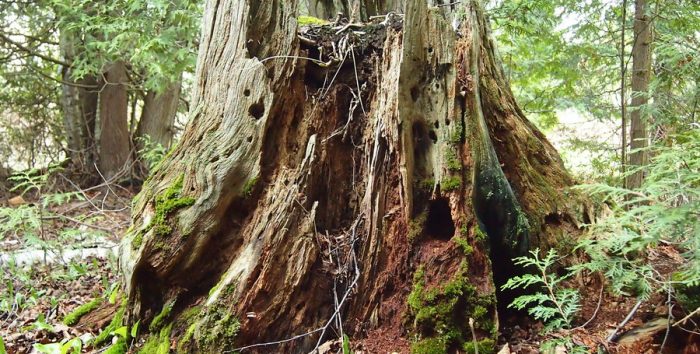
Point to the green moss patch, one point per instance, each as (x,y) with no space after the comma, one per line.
(416,227)
(82,310)
(486,345)
(158,344)
(217,328)
(120,347)
(687,296)
(165,204)
(186,339)
(430,346)
(440,314)
(450,183)
(453,162)
(309,20)
(249,185)
(463,243)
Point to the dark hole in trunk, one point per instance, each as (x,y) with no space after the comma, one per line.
(439,224)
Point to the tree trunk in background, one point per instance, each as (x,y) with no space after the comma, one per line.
(70,100)
(114,142)
(288,197)
(89,99)
(641,70)
(158,116)
(79,108)
(623,92)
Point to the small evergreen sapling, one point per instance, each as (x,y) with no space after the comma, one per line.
(552,304)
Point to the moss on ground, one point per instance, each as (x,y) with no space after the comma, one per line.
(486,345)
(74,316)
(687,296)
(436,345)
(440,313)
(158,344)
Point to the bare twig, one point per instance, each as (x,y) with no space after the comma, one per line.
(686,318)
(61,216)
(357,79)
(670,315)
(613,335)
(595,313)
(476,343)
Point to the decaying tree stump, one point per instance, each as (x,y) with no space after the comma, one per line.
(358,179)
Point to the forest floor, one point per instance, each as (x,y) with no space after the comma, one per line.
(601,325)
(56,254)
(49,269)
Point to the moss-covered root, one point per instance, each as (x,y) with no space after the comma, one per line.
(158,321)
(82,310)
(117,321)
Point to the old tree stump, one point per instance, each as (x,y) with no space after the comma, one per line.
(372,179)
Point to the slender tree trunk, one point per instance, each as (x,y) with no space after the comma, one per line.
(368,197)
(623,93)
(89,99)
(114,143)
(72,117)
(79,106)
(641,71)
(158,116)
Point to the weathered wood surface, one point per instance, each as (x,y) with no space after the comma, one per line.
(288,196)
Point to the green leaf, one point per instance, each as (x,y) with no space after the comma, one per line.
(135,329)
(51,348)
(121,331)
